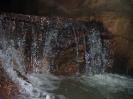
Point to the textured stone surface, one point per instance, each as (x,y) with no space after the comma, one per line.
(119,26)
(56,44)
(68,7)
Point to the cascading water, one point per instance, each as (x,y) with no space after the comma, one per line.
(33,47)
(42,42)
(94,55)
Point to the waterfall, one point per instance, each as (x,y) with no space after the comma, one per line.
(97,51)
(58,45)
(77,48)
(41,40)
(94,54)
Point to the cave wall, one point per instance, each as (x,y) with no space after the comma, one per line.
(116,15)
(121,28)
(56,44)
(68,7)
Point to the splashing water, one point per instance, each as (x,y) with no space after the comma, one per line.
(100,86)
(95,55)
(33,48)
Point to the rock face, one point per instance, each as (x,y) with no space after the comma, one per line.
(8,88)
(39,28)
(121,28)
(68,7)
(60,45)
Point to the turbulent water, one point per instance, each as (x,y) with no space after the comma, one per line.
(48,86)
(32,48)
(101,86)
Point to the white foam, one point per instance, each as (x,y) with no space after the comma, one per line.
(108,83)
(26,88)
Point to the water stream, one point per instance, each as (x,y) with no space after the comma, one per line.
(100,86)
(38,50)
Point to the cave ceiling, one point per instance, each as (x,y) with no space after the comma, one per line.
(68,7)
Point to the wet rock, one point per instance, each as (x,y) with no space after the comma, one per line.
(57,44)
